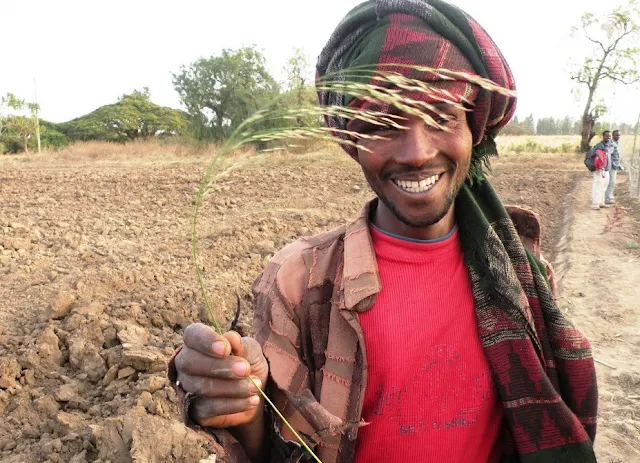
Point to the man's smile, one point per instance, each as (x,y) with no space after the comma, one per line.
(417,185)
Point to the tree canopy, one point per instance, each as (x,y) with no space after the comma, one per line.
(133,116)
(614,58)
(16,128)
(220,92)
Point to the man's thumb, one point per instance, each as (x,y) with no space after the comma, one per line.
(255,357)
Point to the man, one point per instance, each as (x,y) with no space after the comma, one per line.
(601,154)
(614,167)
(422,331)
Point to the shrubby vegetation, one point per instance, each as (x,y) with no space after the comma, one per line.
(133,116)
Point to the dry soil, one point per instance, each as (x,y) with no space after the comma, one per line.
(97,284)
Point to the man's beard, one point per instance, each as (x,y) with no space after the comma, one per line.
(426,221)
(430,219)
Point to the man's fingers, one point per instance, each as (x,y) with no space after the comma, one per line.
(194,363)
(252,351)
(218,388)
(203,410)
(247,348)
(235,341)
(206,341)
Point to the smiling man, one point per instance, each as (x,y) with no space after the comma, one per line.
(417,173)
(426,329)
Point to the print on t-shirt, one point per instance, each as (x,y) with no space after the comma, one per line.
(442,385)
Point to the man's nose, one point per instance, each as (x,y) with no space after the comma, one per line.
(418,144)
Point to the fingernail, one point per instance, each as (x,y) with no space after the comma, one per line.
(239,369)
(219,348)
(255,385)
(254,400)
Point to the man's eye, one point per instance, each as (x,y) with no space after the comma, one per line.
(443,120)
(378,128)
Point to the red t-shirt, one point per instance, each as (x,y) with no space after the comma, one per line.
(430,396)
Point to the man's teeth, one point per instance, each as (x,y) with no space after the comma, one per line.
(413,186)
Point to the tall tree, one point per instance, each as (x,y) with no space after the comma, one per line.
(547,126)
(299,91)
(566,126)
(18,125)
(530,129)
(222,91)
(133,116)
(517,127)
(298,71)
(614,58)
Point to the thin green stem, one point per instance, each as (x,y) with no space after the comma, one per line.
(194,241)
(194,250)
(275,409)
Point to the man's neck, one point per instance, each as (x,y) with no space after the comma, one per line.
(382,217)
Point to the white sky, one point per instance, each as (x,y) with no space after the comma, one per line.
(85,53)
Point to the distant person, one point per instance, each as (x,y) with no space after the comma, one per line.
(425,329)
(601,154)
(614,167)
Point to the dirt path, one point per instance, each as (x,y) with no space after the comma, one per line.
(604,254)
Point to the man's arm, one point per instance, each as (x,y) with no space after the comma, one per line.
(221,406)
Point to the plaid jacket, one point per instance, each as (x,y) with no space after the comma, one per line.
(306,318)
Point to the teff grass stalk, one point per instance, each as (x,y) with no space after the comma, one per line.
(385,87)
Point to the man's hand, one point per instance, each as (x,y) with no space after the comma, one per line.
(216,369)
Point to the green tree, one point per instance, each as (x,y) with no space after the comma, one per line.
(514,127)
(17,125)
(220,92)
(529,128)
(577,128)
(626,129)
(542,126)
(566,126)
(298,73)
(547,126)
(133,116)
(299,91)
(51,136)
(614,58)
(517,127)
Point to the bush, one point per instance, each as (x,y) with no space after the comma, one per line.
(11,145)
(569,148)
(52,139)
(49,139)
(531,146)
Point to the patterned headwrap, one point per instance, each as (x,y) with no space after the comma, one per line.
(428,33)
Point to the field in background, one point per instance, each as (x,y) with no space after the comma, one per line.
(535,144)
(526,148)
(545,140)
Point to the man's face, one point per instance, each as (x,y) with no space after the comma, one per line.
(418,172)
(606,137)
(616,136)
